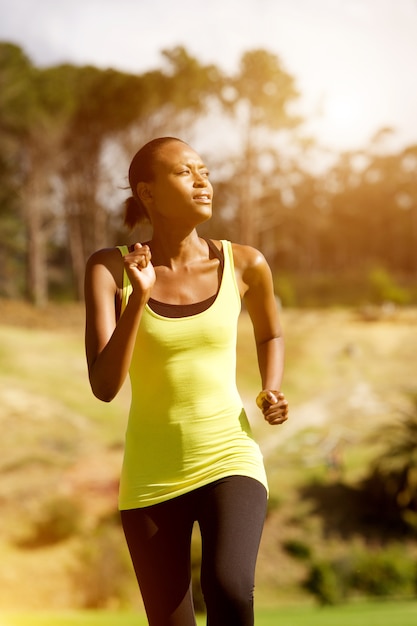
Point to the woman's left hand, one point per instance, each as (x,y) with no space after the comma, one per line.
(273,405)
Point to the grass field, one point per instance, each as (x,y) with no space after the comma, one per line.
(368,614)
(345,376)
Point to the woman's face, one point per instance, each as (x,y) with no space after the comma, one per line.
(180,189)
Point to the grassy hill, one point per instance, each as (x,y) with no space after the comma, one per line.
(347,375)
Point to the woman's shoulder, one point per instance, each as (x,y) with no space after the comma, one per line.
(247,257)
(252,271)
(106,264)
(106,256)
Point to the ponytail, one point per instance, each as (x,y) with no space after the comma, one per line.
(135,212)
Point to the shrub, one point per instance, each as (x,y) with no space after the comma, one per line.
(326,583)
(297,549)
(390,488)
(385,289)
(387,572)
(54,520)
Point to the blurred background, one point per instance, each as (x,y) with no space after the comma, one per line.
(305,112)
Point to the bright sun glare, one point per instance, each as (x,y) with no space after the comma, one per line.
(344,120)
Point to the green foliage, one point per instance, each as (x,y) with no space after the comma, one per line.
(344,288)
(17,96)
(17,116)
(322,233)
(383,573)
(267,87)
(12,242)
(298,549)
(391,483)
(326,581)
(385,289)
(187,82)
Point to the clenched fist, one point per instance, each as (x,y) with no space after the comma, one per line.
(273,405)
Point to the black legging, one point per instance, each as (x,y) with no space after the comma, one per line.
(230,513)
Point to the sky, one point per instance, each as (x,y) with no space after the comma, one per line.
(354,61)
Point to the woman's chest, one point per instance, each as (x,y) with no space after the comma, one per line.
(187,285)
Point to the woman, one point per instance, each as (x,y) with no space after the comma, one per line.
(166,313)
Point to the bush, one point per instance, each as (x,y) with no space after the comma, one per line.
(297,549)
(385,289)
(54,520)
(319,289)
(326,581)
(384,573)
(387,572)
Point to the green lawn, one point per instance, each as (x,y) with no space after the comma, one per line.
(336,373)
(361,614)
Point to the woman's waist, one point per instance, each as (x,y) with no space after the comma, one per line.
(205,400)
(184,454)
(194,419)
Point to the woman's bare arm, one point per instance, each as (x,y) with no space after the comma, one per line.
(110,343)
(255,280)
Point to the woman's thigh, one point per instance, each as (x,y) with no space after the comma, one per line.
(231,521)
(159,538)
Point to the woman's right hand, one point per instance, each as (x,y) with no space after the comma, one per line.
(140,269)
(273,405)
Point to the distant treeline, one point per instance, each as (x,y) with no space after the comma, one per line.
(67,134)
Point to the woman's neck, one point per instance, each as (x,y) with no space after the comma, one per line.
(176,249)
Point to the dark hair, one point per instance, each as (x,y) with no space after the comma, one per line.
(141,170)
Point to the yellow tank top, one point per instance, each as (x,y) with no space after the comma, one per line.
(187,426)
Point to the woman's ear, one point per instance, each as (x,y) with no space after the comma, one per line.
(144,192)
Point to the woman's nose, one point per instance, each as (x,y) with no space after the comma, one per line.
(200,181)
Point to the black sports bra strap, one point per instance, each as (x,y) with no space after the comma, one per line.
(215,250)
(187,310)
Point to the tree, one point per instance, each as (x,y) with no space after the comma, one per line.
(58,126)
(373,211)
(106,102)
(115,109)
(15,70)
(23,141)
(190,84)
(259,96)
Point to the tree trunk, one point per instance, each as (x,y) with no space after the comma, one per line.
(248,233)
(36,257)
